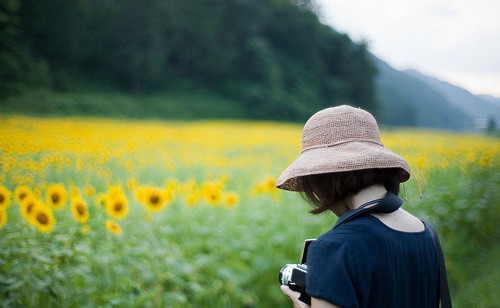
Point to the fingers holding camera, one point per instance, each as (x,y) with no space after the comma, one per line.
(294,296)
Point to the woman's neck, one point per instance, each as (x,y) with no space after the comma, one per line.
(367,194)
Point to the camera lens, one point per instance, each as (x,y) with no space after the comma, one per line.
(286,274)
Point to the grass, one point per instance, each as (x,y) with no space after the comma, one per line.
(181,257)
(169,105)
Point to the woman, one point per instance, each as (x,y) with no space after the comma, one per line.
(379,259)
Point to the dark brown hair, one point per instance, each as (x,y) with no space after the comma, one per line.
(323,191)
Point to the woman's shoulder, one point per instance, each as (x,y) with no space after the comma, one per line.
(402,221)
(355,230)
(364,230)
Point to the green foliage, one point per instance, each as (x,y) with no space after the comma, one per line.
(8,31)
(464,204)
(272,57)
(181,104)
(182,257)
(219,257)
(208,257)
(478,287)
(467,207)
(19,67)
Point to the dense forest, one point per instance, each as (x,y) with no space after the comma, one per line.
(273,57)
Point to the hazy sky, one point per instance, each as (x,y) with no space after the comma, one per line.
(453,40)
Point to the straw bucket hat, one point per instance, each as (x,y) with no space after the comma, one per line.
(339,139)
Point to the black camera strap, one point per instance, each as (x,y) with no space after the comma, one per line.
(388,204)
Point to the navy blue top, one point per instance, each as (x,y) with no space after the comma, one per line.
(364,263)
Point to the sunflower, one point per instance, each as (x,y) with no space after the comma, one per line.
(74,192)
(117,206)
(191,199)
(212,193)
(113,227)
(156,199)
(3,217)
(80,210)
(270,184)
(37,193)
(140,194)
(4,197)
(115,191)
(101,200)
(188,188)
(131,184)
(171,184)
(21,193)
(28,206)
(260,188)
(89,190)
(56,196)
(43,218)
(231,199)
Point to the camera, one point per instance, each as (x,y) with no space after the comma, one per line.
(294,275)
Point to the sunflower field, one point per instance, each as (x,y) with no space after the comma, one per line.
(127,213)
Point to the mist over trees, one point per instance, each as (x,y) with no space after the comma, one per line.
(272,56)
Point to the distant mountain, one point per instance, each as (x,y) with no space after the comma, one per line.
(409,101)
(491,99)
(478,107)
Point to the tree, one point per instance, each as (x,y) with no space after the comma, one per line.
(272,56)
(11,73)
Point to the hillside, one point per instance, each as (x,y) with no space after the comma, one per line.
(477,107)
(408,101)
(265,59)
(491,99)
(272,57)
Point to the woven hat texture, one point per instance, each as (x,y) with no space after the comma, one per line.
(339,139)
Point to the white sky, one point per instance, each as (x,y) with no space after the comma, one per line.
(453,40)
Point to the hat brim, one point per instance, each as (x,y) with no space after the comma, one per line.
(349,156)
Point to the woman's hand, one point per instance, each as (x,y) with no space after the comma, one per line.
(294,296)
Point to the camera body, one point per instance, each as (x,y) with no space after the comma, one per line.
(294,275)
